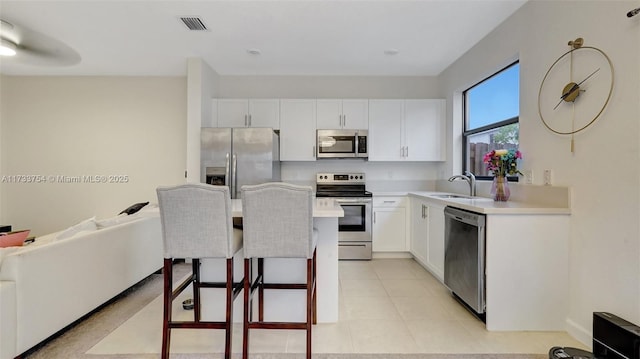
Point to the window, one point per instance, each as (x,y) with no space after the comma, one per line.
(491,115)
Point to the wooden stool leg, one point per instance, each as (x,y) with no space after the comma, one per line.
(261,289)
(229,315)
(315,288)
(309,304)
(167,299)
(196,289)
(247,296)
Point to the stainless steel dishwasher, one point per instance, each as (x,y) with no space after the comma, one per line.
(464,257)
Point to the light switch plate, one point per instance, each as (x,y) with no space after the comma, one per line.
(528,177)
(548,177)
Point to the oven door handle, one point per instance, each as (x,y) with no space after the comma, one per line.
(353,201)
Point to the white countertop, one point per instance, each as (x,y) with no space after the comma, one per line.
(488,205)
(322,208)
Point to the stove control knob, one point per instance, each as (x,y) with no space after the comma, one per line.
(351,177)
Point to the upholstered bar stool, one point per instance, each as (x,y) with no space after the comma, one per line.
(196,224)
(278,223)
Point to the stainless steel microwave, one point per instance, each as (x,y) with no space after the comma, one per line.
(342,144)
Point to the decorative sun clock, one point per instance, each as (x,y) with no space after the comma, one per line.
(576,89)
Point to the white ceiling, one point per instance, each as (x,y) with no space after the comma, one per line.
(295,37)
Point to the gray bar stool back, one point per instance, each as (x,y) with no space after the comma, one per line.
(197,223)
(278,223)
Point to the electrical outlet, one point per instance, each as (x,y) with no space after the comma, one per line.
(528,177)
(548,177)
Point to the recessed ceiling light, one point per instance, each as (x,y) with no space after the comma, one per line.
(7,48)
(391,52)
(253,51)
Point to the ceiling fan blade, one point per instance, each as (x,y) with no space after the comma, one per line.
(37,49)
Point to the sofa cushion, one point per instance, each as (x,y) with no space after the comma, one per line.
(6,251)
(119,219)
(86,225)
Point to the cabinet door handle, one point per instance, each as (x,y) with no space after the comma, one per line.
(407,152)
(246,123)
(314,152)
(374,217)
(389,202)
(344,120)
(249,120)
(422,211)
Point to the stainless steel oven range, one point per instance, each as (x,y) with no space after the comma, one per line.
(354,229)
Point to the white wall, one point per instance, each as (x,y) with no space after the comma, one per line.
(604,171)
(328,87)
(75,126)
(202,86)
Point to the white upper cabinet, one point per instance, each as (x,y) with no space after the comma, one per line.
(406,130)
(297,130)
(342,114)
(424,128)
(249,113)
(385,130)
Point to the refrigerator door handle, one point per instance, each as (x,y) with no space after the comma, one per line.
(235,176)
(226,170)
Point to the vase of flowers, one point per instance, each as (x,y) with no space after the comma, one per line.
(502,163)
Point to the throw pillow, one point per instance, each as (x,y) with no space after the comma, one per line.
(134,208)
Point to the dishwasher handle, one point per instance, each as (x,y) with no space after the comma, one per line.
(468,217)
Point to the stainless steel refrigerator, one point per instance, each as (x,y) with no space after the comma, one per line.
(239,156)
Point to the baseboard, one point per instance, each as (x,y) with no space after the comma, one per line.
(391,255)
(580,333)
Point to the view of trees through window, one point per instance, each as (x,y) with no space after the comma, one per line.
(491,118)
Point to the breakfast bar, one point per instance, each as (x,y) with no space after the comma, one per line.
(285,305)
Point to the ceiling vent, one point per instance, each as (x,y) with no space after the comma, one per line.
(194,23)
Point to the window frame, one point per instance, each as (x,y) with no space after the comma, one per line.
(467,133)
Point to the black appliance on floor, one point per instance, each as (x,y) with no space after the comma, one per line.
(613,338)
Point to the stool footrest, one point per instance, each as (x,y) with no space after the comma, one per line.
(198,325)
(277,325)
(284,285)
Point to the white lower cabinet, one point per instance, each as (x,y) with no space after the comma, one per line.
(427,235)
(419,230)
(435,240)
(390,224)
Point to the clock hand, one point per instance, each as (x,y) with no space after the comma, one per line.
(566,94)
(574,88)
(586,78)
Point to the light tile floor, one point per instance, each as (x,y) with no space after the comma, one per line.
(386,306)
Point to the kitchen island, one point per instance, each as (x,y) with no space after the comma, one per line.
(285,305)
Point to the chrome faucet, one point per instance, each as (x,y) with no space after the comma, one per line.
(470,178)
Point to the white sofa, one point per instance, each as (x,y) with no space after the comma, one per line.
(46,286)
